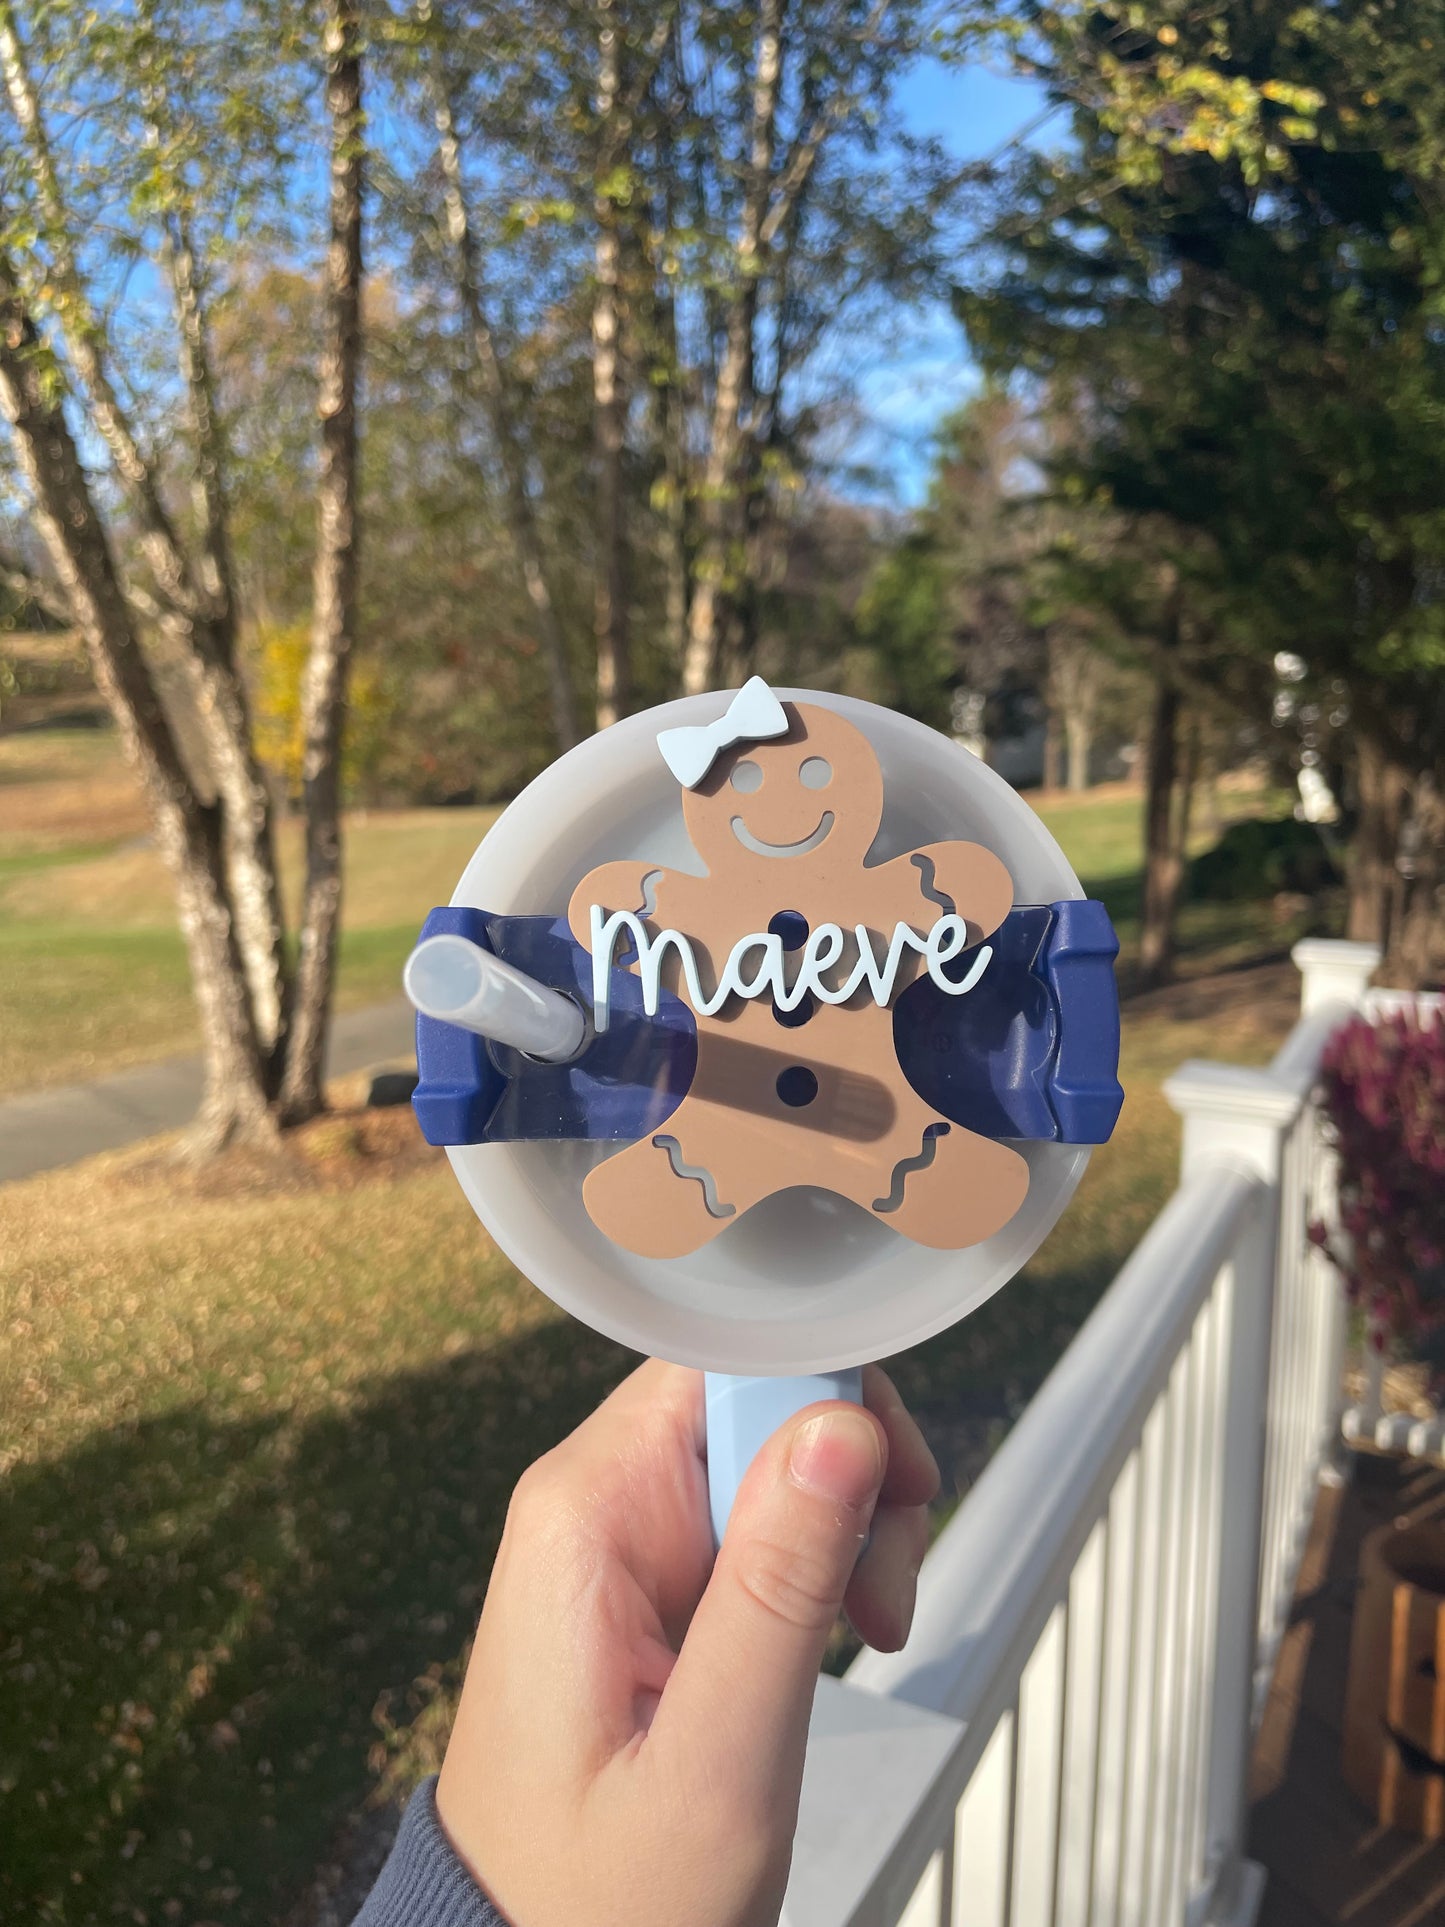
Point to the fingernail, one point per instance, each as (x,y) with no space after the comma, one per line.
(907,1601)
(838,1456)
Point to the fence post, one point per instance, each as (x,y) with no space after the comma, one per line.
(1333,972)
(1337,973)
(1237,1119)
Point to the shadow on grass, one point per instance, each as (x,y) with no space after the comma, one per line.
(197,1617)
(1121,896)
(1232,934)
(199,1614)
(201,1611)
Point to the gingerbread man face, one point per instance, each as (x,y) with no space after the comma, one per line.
(818,788)
(797,1079)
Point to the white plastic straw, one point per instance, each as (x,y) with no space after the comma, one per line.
(455,980)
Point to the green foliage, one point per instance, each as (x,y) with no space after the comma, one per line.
(1233,277)
(901,619)
(1261,369)
(994,590)
(189,111)
(820,243)
(1261,857)
(450,694)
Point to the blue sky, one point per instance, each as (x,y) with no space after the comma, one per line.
(973,111)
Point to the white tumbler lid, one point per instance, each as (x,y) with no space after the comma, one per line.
(805,1281)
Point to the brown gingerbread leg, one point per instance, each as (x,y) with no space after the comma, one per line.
(643,1201)
(968,1189)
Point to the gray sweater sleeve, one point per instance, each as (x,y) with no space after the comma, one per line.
(423,1884)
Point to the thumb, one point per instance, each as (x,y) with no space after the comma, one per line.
(743,1683)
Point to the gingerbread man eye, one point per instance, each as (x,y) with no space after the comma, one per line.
(816,773)
(746,778)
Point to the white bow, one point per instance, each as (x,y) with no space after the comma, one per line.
(753,715)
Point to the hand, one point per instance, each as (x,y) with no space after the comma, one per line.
(629,1745)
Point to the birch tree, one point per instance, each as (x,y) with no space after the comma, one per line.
(334,597)
(715,192)
(444,80)
(810,77)
(141,547)
(609,621)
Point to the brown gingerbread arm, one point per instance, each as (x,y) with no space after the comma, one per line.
(973,879)
(616,886)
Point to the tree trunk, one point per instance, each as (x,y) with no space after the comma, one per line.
(1163,867)
(609,613)
(1079,734)
(1374,876)
(197,606)
(610,593)
(1397,866)
(1187,783)
(247,828)
(762,542)
(677,584)
(208,490)
(1416,957)
(333,623)
(519,507)
(210,654)
(234,1103)
(723,478)
(1053,749)
(678,572)
(86,336)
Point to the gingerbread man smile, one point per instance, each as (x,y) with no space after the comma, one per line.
(760,847)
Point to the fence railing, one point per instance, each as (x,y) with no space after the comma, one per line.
(1065,1740)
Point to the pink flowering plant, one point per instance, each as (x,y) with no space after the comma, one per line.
(1384,1097)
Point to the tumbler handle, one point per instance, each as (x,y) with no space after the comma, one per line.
(743,1414)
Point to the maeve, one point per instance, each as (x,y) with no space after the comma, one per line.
(822,951)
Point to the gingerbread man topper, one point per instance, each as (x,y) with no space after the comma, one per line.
(790,1044)
(791,950)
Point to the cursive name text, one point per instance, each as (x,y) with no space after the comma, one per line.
(755,964)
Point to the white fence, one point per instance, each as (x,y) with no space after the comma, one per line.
(1065,1740)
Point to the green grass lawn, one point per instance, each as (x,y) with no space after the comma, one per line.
(1102,837)
(56,755)
(257,1432)
(92,972)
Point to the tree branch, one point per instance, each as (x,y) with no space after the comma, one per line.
(27,586)
(496,389)
(85,333)
(631,102)
(800,163)
(212,511)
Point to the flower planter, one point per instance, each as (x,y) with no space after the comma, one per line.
(1394,1735)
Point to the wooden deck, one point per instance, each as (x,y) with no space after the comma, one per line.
(1330,1864)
